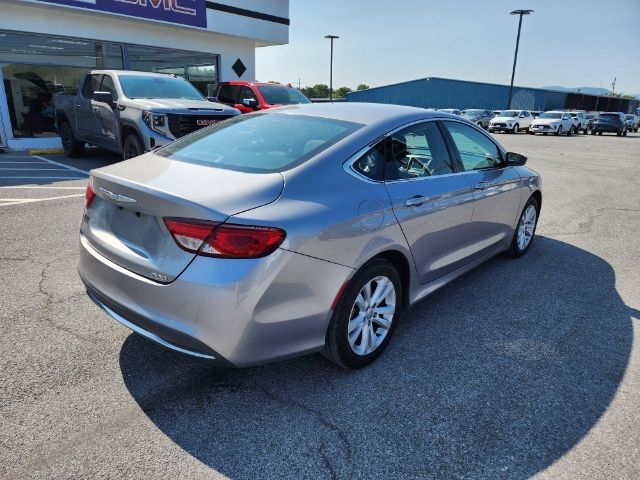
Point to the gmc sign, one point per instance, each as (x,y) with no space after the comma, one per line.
(183,12)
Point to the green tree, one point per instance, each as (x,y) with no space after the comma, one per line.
(362,86)
(321,90)
(309,92)
(341,92)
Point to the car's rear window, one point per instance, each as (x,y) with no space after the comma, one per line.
(260,143)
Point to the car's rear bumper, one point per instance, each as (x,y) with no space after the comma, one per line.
(233,312)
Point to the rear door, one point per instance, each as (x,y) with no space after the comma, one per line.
(86,120)
(497,191)
(431,199)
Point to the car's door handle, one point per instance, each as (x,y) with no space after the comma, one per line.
(415,201)
(481,185)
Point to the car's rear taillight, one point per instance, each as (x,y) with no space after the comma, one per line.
(89,196)
(224,240)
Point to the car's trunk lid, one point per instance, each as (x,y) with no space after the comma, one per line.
(125,220)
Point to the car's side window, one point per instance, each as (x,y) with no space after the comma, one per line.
(226,94)
(418,151)
(90,85)
(246,92)
(477,152)
(371,164)
(108,86)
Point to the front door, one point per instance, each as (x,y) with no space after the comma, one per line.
(431,200)
(496,189)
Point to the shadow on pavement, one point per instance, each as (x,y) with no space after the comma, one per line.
(496,375)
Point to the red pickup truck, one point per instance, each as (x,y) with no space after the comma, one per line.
(251,96)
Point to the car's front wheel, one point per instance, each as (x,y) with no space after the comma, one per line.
(366,316)
(132,147)
(526,229)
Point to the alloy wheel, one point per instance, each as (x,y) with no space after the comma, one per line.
(371,315)
(526,227)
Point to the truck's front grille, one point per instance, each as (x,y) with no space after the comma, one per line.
(181,125)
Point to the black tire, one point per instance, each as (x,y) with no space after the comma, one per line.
(515,129)
(337,348)
(593,132)
(624,134)
(600,133)
(570,132)
(619,133)
(132,147)
(544,133)
(559,131)
(514,249)
(71,146)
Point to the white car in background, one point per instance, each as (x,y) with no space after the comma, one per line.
(511,121)
(580,122)
(553,122)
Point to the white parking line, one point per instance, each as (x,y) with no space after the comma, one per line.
(20,201)
(53,162)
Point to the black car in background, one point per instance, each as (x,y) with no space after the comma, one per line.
(612,122)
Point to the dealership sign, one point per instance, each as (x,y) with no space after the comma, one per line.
(183,12)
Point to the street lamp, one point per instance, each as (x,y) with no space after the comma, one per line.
(515,57)
(332,38)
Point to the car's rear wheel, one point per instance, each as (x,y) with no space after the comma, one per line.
(132,147)
(365,317)
(71,146)
(526,229)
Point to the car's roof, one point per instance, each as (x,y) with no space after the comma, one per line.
(363,113)
(134,73)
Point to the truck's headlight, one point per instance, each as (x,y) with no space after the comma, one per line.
(154,120)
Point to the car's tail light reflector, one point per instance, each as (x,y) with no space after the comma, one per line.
(225,240)
(89,196)
(189,234)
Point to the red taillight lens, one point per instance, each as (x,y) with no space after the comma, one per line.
(225,240)
(189,234)
(89,195)
(243,241)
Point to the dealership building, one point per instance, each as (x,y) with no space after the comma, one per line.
(47,46)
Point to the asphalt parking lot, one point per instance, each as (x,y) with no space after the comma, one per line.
(520,368)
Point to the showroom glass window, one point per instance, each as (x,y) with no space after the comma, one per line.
(37,67)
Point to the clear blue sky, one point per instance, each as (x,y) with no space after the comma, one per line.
(388,41)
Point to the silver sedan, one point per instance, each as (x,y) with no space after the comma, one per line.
(300,229)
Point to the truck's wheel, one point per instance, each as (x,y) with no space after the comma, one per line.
(71,146)
(132,147)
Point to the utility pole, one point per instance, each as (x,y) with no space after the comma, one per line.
(332,38)
(613,85)
(515,57)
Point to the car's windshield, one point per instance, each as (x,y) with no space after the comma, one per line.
(139,86)
(260,143)
(509,113)
(551,115)
(279,95)
(473,113)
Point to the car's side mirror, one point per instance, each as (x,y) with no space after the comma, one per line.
(515,159)
(213,99)
(103,97)
(250,102)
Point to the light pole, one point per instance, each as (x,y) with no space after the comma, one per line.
(515,57)
(332,38)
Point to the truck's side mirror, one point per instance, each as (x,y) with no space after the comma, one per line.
(103,97)
(250,102)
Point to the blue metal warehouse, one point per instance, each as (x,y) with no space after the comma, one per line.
(434,92)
